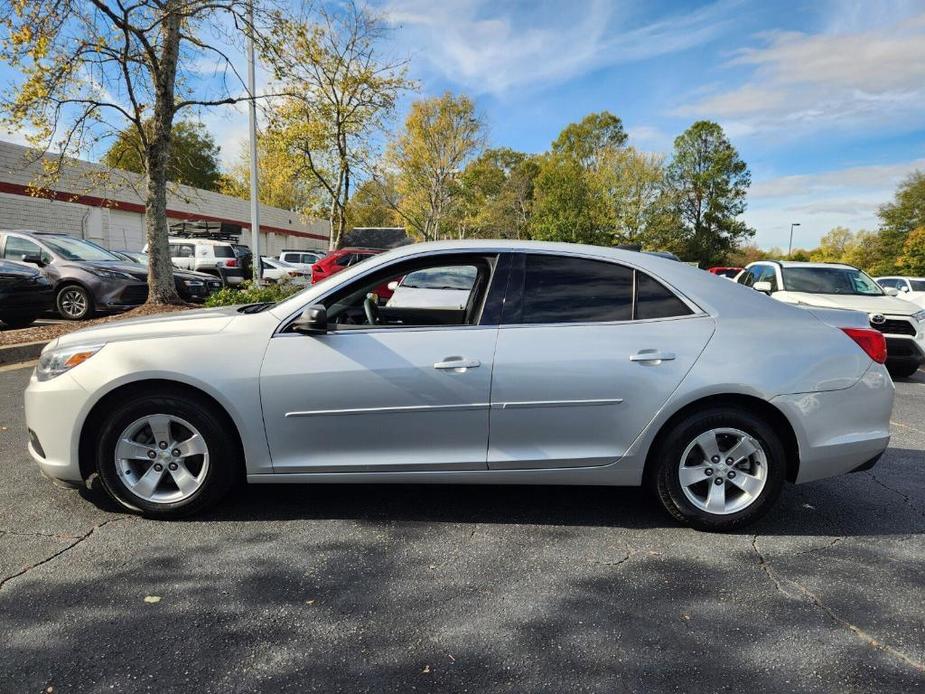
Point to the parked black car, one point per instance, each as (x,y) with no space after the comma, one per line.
(25,293)
(87,278)
(192,286)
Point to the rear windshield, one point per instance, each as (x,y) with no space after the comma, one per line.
(829,280)
(223,251)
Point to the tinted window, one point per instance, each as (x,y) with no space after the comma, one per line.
(575,290)
(748,277)
(223,251)
(767,273)
(345,259)
(917,285)
(654,300)
(16,248)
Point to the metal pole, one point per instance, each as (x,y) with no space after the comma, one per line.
(790,246)
(252,119)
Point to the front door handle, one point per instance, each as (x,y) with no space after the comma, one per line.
(458,364)
(652,356)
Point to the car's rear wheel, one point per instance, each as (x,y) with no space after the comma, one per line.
(167,455)
(902,370)
(75,303)
(15,322)
(719,469)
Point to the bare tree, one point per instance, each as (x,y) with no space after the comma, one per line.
(95,67)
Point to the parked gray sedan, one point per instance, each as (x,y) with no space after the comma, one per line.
(565,365)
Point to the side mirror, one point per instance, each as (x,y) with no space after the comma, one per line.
(393,285)
(891,291)
(763,286)
(313,321)
(34,259)
(904,288)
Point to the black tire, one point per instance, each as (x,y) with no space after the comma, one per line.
(225,465)
(664,475)
(902,369)
(16,322)
(68,297)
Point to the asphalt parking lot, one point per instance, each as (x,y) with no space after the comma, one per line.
(401,588)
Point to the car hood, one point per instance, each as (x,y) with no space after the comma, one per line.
(179,324)
(139,272)
(868,304)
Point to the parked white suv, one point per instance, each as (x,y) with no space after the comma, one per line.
(831,285)
(206,255)
(302,259)
(909,288)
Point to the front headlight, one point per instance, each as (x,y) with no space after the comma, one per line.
(55,362)
(920,316)
(193,283)
(109,274)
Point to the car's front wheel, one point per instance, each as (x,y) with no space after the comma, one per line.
(75,303)
(167,455)
(719,469)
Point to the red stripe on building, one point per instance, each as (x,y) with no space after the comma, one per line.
(94,201)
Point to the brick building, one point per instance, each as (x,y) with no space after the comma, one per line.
(106,206)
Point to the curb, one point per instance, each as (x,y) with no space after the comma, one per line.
(27,351)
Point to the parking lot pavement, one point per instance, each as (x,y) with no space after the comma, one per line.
(394,588)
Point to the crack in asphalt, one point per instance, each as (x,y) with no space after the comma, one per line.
(906,499)
(869,639)
(77,539)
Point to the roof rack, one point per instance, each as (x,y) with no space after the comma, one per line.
(217,231)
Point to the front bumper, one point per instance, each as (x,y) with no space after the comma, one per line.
(120,297)
(53,410)
(839,431)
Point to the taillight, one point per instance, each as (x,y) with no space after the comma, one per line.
(871,341)
(231,263)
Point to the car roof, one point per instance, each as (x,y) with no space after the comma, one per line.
(898,277)
(797,263)
(193,239)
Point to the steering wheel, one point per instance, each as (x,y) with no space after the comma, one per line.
(371,308)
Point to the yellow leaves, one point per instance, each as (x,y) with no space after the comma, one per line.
(21,36)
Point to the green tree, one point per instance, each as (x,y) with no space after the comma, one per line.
(92,68)
(341,93)
(867,253)
(590,138)
(440,136)
(496,193)
(193,158)
(369,205)
(565,206)
(900,216)
(711,182)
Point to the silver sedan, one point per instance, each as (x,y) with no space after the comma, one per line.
(565,364)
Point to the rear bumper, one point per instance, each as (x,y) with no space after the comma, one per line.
(840,431)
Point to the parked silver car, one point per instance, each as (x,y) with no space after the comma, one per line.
(566,365)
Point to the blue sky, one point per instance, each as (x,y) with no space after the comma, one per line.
(825,99)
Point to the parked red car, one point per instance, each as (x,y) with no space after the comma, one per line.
(724,271)
(341,259)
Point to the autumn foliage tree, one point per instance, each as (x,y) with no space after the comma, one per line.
(93,68)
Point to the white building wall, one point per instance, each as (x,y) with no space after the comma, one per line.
(124,228)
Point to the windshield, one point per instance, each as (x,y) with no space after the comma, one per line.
(461,277)
(829,280)
(71,248)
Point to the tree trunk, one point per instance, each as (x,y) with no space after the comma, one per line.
(161,287)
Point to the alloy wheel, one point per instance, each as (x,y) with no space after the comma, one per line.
(161,458)
(73,303)
(723,471)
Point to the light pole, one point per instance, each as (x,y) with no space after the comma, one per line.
(790,247)
(252,122)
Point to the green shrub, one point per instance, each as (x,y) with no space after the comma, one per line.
(249,293)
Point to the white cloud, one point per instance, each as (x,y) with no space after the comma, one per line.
(846,197)
(805,82)
(488,48)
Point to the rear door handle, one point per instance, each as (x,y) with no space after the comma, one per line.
(459,364)
(652,356)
